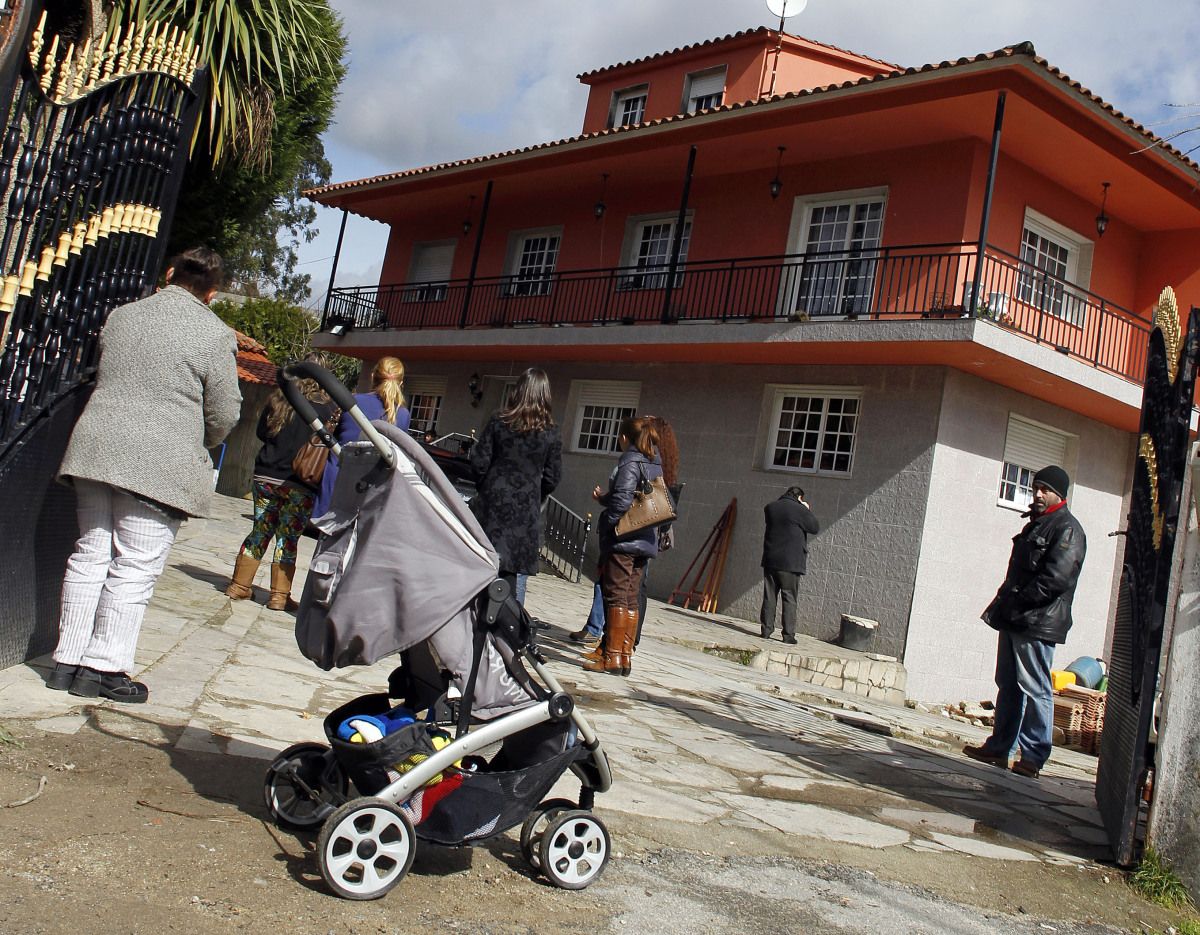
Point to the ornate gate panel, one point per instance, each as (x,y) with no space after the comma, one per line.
(1149,549)
(94,142)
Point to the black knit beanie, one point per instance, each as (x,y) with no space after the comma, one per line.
(1054,478)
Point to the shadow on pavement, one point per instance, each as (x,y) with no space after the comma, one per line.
(1055,813)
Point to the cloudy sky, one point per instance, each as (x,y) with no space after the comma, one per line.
(435,81)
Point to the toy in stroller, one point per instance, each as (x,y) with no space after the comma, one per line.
(403,567)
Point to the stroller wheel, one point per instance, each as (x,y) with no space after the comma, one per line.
(535,825)
(574,849)
(304,784)
(365,848)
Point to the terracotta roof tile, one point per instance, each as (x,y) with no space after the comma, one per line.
(708,42)
(1014,51)
(253,365)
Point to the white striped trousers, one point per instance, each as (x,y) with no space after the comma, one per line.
(122,550)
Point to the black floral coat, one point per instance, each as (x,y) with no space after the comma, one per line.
(516,473)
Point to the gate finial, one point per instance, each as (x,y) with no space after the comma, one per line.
(1166,319)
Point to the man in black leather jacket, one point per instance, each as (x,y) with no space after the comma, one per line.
(1032,611)
(789,523)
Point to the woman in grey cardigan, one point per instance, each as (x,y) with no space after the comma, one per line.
(166,390)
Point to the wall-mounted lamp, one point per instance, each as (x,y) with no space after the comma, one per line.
(475,388)
(470,211)
(340,325)
(1102,218)
(776,185)
(600,207)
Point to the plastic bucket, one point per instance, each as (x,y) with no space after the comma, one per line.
(1088,671)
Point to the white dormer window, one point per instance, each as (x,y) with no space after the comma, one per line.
(704,90)
(628,107)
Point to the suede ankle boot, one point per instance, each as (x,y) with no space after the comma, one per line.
(281,587)
(244,569)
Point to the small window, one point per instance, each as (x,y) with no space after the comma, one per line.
(600,408)
(429,271)
(704,90)
(1053,259)
(535,254)
(424,396)
(1028,447)
(649,252)
(628,107)
(813,429)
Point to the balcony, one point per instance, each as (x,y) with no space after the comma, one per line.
(928,281)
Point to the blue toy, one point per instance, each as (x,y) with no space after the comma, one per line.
(385,723)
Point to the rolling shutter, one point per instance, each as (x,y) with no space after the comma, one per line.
(432,262)
(1033,446)
(620,395)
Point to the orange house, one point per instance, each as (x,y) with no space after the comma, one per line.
(905,289)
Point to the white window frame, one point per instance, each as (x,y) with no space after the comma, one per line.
(434,290)
(803,209)
(538,284)
(616,110)
(653,275)
(610,402)
(691,100)
(1029,446)
(424,394)
(1070,305)
(824,431)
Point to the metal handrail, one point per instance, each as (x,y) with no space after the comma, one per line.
(890,282)
(564,538)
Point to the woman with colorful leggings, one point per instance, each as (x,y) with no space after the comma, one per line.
(282,502)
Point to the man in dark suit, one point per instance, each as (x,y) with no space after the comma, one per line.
(785,558)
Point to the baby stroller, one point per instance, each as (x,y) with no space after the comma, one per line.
(402,567)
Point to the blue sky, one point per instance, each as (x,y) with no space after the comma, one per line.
(430,82)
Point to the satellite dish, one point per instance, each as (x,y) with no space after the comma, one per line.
(786,8)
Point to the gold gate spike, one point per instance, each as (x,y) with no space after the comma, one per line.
(1166,319)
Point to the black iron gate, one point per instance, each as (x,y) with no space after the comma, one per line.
(95,138)
(1145,578)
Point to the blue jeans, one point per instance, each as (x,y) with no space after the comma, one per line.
(520,589)
(1024,699)
(595,624)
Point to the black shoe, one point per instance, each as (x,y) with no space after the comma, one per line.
(579,636)
(790,640)
(61,676)
(765,634)
(115,686)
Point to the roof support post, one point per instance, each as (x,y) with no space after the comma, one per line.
(483,213)
(986,216)
(677,238)
(337,255)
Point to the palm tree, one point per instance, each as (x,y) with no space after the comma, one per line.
(258,50)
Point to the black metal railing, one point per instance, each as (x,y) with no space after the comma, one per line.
(564,537)
(895,282)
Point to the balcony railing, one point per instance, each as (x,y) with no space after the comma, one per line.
(887,283)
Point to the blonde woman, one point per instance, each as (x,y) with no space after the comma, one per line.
(385,401)
(282,502)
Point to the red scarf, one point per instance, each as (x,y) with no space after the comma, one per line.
(1051,509)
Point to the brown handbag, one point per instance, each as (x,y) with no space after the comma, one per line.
(652,506)
(308,465)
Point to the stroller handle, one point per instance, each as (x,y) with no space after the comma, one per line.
(287,378)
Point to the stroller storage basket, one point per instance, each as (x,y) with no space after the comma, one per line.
(470,807)
(368,764)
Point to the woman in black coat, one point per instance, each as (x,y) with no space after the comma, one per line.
(518,462)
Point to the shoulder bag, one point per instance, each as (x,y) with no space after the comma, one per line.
(652,506)
(308,465)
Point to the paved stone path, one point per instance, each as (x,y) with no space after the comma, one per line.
(693,737)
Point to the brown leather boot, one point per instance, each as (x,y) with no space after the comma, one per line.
(609,659)
(630,635)
(244,569)
(281,587)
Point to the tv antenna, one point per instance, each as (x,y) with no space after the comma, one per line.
(784,9)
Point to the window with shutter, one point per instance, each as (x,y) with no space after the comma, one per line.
(424,395)
(1028,447)
(429,272)
(599,410)
(704,90)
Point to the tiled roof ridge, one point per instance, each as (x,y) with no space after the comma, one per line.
(1013,51)
(247,343)
(734,35)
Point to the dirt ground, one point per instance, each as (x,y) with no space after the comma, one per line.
(135,835)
